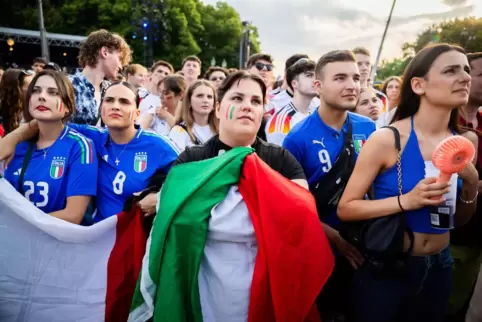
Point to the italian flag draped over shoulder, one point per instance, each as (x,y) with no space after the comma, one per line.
(292,262)
(55,271)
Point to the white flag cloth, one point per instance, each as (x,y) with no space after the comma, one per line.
(51,270)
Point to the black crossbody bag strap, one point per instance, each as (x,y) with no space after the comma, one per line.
(194,139)
(398,146)
(25,163)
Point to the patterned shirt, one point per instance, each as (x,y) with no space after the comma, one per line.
(87,108)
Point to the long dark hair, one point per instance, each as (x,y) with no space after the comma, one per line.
(64,86)
(419,67)
(11,99)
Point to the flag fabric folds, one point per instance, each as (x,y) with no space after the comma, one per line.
(293,259)
(52,270)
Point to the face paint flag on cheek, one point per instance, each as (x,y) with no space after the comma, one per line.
(230,112)
(60,105)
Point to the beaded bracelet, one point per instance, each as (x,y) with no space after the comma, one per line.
(470,201)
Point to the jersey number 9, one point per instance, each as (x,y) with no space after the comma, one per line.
(325,160)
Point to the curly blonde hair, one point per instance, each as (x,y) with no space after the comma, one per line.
(89,50)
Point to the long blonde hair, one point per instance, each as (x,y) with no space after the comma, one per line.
(186,115)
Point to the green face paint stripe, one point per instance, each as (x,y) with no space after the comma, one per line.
(231,112)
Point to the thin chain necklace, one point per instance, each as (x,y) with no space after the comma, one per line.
(115,154)
(46,151)
(429,141)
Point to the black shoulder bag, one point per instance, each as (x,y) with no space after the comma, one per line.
(381,240)
(329,189)
(26,160)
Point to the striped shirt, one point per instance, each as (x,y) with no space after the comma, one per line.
(280,124)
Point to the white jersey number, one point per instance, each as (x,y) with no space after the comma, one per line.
(325,160)
(43,190)
(118,183)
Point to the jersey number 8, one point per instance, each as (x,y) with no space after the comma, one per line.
(118,183)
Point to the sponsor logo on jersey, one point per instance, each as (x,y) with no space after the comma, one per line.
(320,142)
(57,167)
(140,162)
(358,141)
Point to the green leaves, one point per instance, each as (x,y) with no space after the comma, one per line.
(465,32)
(192,28)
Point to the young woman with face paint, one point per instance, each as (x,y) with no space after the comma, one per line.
(56,170)
(241,98)
(127,156)
(197,121)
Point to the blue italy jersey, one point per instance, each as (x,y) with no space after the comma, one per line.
(68,169)
(316,147)
(137,160)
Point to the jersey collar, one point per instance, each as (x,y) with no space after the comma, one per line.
(107,138)
(329,128)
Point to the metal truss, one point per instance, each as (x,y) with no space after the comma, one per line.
(24,37)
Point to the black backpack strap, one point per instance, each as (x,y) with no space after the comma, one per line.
(26,160)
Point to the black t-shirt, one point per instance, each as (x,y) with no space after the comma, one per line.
(278,158)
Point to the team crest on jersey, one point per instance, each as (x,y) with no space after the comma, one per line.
(140,162)
(358,141)
(57,167)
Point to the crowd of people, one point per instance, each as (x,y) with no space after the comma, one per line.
(78,146)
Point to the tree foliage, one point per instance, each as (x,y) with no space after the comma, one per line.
(185,27)
(465,32)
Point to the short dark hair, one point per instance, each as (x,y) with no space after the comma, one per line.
(293,59)
(361,51)
(333,57)
(259,56)
(213,69)
(192,58)
(302,66)
(40,60)
(162,63)
(236,77)
(474,56)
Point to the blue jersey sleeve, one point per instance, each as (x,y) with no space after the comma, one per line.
(92,132)
(12,172)
(169,154)
(83,169)
(294,148)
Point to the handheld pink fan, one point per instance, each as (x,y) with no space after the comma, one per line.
(452,155)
